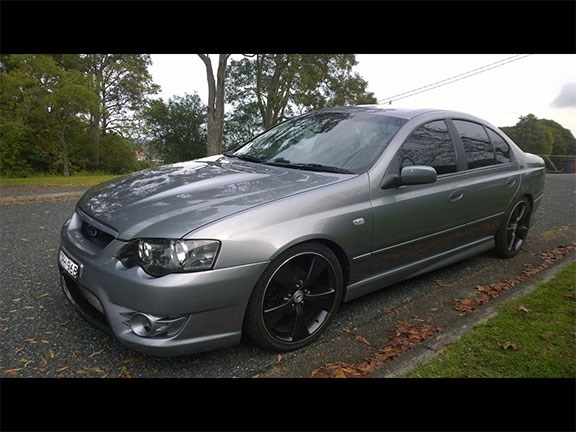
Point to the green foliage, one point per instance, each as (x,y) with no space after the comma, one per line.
(541,136)
(542,337)
(118,156)
(50,104)
(273,87)
(177,128)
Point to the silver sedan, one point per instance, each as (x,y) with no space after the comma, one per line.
(268,240)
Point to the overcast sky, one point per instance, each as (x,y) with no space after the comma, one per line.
(541,84)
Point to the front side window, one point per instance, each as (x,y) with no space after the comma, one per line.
(501,148)
(429,145)
(477,146)
(350,141)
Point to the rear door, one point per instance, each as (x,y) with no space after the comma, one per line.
(492,176)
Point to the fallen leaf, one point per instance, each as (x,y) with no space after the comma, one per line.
(569,297)
(97,370)
(361,339)
(44,341)
(507,345)
(43,362)
(124,373)
(279,358)
(63,368)
(544,336)
(285,369)
(346,330)
(523,308)
(32,341)
(96,353)
(442,284)
(434,309)
(12,371)
(51,353)
(77,353)
(18,351)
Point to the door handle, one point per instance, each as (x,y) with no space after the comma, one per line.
(456,196)
(511,181)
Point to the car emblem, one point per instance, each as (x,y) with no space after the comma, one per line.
(92,232)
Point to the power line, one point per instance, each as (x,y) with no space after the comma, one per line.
(453,79)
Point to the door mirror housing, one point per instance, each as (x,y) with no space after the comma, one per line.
(418,174)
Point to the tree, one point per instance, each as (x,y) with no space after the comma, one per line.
(541,136)
(41,102)
(70,96)
(121,82)
(216,91)
(282,85)
(177,127)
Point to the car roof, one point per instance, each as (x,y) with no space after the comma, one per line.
(405,113)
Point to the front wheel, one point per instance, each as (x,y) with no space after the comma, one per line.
(295,299)
(512,234)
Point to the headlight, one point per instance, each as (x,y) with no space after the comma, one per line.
(159,257)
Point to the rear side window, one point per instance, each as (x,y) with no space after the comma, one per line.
(501,148)
(477,145)
(429,145)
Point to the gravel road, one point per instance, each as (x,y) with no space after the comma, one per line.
(42,335)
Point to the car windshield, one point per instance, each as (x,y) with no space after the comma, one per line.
(347,142)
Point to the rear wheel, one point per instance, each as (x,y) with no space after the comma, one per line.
(512,234)
(295,299)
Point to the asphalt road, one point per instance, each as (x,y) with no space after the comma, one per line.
(41,335)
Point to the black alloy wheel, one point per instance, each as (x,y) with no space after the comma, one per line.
(296,298)
(511,236)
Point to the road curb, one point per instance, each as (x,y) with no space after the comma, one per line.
(404,364)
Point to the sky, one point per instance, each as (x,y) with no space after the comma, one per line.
(539,84)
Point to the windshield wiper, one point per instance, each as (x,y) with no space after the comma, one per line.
(244,157)
(308,166)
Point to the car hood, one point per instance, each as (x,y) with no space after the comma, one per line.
(172,200)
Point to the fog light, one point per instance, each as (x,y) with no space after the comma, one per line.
(148,325)
(143,324)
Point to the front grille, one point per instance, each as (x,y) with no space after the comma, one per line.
(95,235)
(85,301)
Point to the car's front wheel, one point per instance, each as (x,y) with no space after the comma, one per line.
(296,298)
(512,234)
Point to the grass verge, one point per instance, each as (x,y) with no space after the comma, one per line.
(80,180)
(532,337)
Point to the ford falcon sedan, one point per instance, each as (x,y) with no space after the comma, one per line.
(268,240)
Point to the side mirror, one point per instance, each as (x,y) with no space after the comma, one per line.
(418,174)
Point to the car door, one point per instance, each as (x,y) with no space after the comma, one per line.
(412,224)
(492,176)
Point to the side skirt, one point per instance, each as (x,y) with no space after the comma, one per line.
(417,268)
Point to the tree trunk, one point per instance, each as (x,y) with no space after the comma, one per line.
(216,89)
(65,162)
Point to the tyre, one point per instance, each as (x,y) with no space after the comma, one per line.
(295,298)
(512,234)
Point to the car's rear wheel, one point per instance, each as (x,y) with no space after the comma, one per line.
(512,234)
(296,298)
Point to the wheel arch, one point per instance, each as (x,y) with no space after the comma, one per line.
(329,243)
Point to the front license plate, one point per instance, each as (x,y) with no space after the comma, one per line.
(68,265)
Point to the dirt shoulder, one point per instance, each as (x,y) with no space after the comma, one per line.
(25,194)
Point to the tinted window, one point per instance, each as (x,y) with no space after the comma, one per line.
(501,147)
(429,145)
(479,150)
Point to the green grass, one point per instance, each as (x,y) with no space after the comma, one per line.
(78,180)
(480,353)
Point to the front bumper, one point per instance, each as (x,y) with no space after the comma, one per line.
(106,293)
